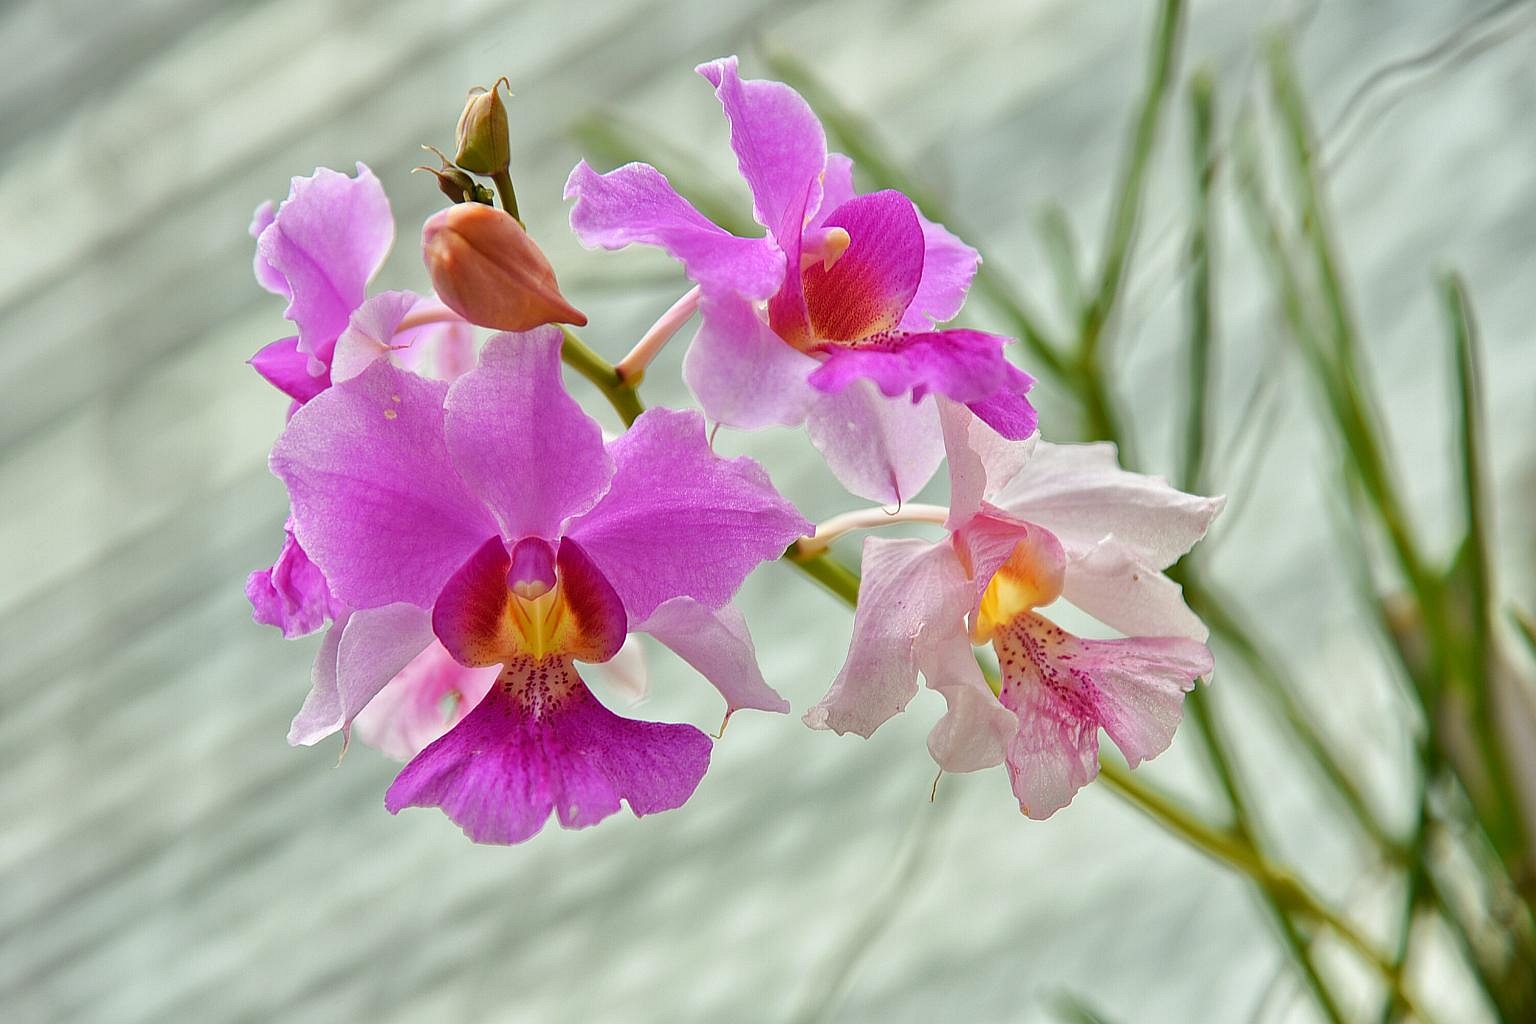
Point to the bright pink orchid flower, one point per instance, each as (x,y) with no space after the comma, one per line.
(1030,523)
(319,249)
(828,318)
(489,516)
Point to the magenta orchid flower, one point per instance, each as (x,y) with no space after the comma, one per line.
(831,316)
(489,516)
(1030,523)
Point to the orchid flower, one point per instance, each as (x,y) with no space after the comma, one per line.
(319,250)
(489,516)
(1030,523)
(830,317)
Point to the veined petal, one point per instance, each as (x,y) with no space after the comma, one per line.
(1080,493)
(440,350)
(779,145)
(423,701)
(539,741)
(883,449)
(868,288)
(361,654)
(963,365)
(1107,582)
(635,204)
(1064,688)
(1006,410)
(283,366)
(975,730)
(981,461)
(326,242)
(680,521)
(293,594)
(520,441)
(716,642)
(376,502)
(913,597)
(949,265)
(742,373)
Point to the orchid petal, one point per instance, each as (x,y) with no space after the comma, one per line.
(963,365)
(635,204)
(869,286)
(1064,688)
(440,350)
(1080,493)
(913,597)
(1108,583)
(359,657)
(376,503)
(283,366)
(742,373)
(423,701)
(717,643)
(624,675)
(981,461)
(882,449)
(678,520)
(780,146)
(539,741)
(949,266)
(293,594)
(326,241)
(520,441)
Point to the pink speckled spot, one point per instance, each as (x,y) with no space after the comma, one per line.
(1064,688)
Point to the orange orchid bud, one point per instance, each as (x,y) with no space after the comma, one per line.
(486,269)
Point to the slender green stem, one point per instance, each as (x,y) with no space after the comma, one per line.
(826,570)
(1230,850)
(622,395)
(503,182)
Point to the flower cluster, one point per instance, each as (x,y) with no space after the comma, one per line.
(467,536)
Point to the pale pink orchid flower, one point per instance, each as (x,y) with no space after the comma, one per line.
(1030,523)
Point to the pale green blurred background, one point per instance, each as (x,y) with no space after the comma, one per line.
(165,856)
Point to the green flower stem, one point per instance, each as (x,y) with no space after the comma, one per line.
(1231,850)
(623,396)
(503,182)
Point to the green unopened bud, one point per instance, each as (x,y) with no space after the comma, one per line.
(482,132)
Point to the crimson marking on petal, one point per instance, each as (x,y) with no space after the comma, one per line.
(598,621)
(870,285)
(470,615)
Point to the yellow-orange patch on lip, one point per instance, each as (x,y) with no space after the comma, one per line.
(1030,578)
